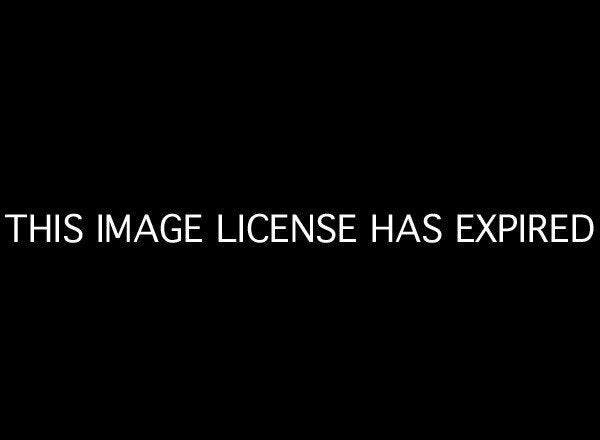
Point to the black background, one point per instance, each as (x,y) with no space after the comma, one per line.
(381,113)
